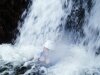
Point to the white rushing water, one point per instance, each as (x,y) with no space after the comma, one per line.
(43,22)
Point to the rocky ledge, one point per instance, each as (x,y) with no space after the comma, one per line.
(10,14)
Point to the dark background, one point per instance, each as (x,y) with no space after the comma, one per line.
(10,15)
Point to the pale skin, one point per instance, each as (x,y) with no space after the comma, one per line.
(44,59)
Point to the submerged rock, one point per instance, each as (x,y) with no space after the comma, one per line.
(21,69)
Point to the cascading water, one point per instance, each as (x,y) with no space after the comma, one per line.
(43,22)
(62,21)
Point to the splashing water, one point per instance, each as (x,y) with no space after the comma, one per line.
(46,20)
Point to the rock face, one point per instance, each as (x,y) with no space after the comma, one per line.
(76,19)
(10,14)
(30,69)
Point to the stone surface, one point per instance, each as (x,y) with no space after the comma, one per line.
(76,19)
(10,14)
(30,69)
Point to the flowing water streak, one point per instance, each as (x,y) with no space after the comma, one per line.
(92,30)
(84,61)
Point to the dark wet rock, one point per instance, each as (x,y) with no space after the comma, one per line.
(6,73)
(75,20)
(10,14)
(3,69)
(97,51)
(21,70)
(32,68)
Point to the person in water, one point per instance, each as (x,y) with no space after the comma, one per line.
(48,56)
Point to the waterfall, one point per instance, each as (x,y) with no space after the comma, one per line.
(44,21)
(72,24)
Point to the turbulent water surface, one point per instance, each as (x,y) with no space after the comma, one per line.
(72,24)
